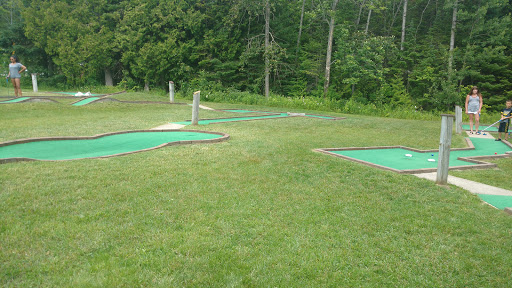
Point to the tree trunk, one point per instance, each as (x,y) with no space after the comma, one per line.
(403,26)
(108,78)
(359,15)
(329,48)
(452,40)
(300,25)
(368,21)
(267,49)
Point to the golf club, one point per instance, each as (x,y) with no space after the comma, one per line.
(494,124)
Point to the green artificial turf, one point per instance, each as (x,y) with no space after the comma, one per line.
(498,201)
(15,100)
(402,159)
(86,101)
(260,210)
(99,147)
(235,119)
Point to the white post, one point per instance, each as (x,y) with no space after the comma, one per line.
(445,143)
(195,108)
(171,91)
(458,119)
(34,81)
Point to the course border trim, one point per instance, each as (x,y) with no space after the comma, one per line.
(267,116)
(224,137)
(477,160)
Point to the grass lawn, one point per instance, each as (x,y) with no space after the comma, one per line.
(259,210)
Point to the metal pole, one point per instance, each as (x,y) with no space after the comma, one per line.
(195,108)
(445,143)
(171,91)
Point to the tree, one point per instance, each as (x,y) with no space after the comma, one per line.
(76,34)
(452,39)
(404,19)
(332,16)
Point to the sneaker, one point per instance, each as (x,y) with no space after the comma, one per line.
(499,139)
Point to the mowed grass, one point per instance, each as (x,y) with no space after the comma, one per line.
(260,210)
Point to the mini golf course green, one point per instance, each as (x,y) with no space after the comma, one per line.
(101,145)
(15,100)
(222,120)
(402,159)
(85,101)
(499,201)
(272,115)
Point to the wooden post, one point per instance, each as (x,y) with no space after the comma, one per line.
(445,144)
(458,119)
(171,91)
(34,81)
(195,108)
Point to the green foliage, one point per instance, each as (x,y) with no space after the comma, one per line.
(218,44)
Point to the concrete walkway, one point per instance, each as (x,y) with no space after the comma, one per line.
(169,126)
(471,186)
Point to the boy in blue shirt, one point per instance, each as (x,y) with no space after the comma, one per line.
(505,120)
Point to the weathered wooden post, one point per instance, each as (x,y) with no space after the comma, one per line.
(458,119)
(195,108)
(34,81)
(171,91)
(445,144)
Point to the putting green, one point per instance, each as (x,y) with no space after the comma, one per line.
(499,201)
(307,115)
(396,158)
(220,120)
(100,147)
(16,100)
(85,101)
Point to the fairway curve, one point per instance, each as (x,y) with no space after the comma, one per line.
(101,146)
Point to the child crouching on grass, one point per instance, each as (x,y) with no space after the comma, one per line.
(505,120)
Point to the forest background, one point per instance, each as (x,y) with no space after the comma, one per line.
(418,54)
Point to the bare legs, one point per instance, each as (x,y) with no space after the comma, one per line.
(477,121)
(17,87)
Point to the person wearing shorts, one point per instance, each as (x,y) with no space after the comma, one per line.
(15,69)
(474,107)
(504,123)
